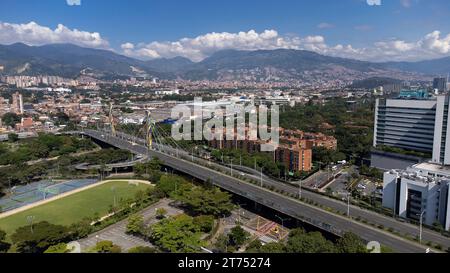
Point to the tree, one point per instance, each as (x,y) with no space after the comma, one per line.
(38,237)
(170,183)
(149,170)
(10,119)
(59,248)
(207,202)
(273,247)
(238,236)
(205,222)
(106,247)
(350,243)
(62,118)
(13,137)
(142,249)
(300,241)
(326,156)
(177,234)
(135,224)
(161,213)
(254,246)
(82,228)
(222,243)
(4,246)
(126,110)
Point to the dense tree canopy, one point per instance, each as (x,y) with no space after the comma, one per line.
(351,122)
(39,237)
(300,241)
(351,243)
(10,119)
(238,236)
(142,249)
(4,246)
(177,234)
(106,247)
(59,248)
(135,224)
(149,170)
(45,145)
(206,201)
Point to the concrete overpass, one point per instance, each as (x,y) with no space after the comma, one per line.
(119,165)
(313,215)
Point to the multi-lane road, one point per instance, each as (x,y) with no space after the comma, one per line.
(294,208)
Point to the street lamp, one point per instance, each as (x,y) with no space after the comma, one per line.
(300,190)
(30,220)
(231,166)
(239,212)
(420,226)
(348,204)
(261,178)
(282,223)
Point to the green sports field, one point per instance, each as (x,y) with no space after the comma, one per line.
(73,208)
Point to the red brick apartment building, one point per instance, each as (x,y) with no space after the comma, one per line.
(294,150)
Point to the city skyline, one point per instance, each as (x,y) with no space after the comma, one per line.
(414,30)
(225,127)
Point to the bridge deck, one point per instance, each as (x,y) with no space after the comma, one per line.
(302,211)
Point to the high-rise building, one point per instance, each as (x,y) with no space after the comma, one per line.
(422,190)
(414,124)
(405,123)
(17,103)
(440,84)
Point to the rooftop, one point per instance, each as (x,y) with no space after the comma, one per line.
(414,94)
(443,170)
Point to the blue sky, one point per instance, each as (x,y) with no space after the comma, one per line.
(147,29)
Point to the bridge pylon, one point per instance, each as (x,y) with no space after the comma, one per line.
(111,119)
(149,127)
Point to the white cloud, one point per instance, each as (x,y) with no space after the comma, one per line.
(127,46)
(373,2)
(35,34)
(73,2)
(405,3)
(363,27)
(325,25)
(432,45)
(204,45)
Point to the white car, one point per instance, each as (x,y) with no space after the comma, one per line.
(361,186)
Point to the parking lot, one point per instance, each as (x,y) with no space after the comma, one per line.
(117,232)
(339,186)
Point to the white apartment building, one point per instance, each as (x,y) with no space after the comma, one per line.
(422,189)
(415,124)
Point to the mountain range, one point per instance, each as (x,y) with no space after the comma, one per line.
(69,60)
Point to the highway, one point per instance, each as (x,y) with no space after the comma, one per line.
(302,211)
(86,166)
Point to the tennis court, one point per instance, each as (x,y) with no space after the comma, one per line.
(37,191)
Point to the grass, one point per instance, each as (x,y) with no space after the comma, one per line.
(75,207)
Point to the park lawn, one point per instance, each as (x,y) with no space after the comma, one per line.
(75,207)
